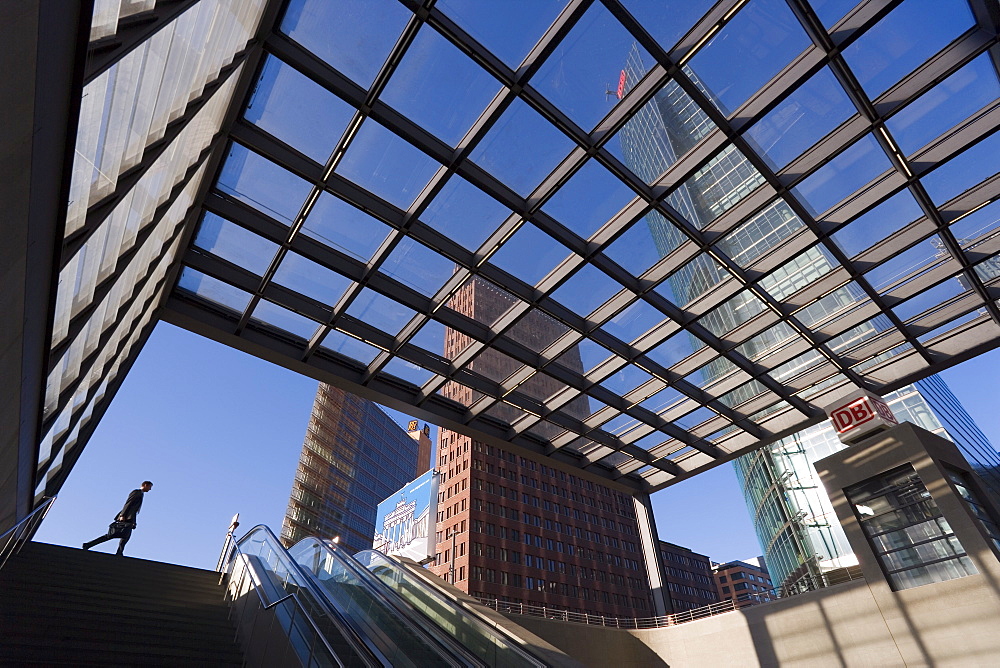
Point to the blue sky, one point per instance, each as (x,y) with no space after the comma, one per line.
(219,432)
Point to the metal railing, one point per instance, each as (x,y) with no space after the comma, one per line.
(809,582)
(605,620)
(14,538)
(318,651)
(802,585)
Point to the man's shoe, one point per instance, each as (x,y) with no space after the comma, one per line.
(87,545)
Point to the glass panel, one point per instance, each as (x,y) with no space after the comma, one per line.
(346,228)
(297,110)
(795,275)
(802,119)
(909,35)
(633,321)
(946,105)
(716,187)
(831,11)
(310,279)
(585,290)
(906,266)
(380,312)
(417,266)
(585,355)
(965,170)
(578,67)
(669,20)
(530,254)
(645,243)
(694,418)
(509,29)
(439,87)
(693,280)
(464,213)
(408,371)
(354,38)
(978,225)
(663,400)
(625,380)
(678,347)
(431,337)
(762,38)
(760,234)
(276,316)
(519,132)
(238,245)
(768,340)
(589,199)
(824,308)
(537,330)
(870,228)
(854,168)
(262,184)
(386,165)
(732,313)
(930,298)
(213,290)
(349,347)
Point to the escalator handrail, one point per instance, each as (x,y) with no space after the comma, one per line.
(516,643)
(306,581)
(294,598)
(400,606)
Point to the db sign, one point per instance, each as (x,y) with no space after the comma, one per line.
(860,414)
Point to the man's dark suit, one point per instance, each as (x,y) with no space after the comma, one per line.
(128,513)
(131,507)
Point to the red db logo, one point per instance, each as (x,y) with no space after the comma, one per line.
(852,415)
(860,411)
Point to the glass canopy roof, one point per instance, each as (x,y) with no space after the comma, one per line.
(637,236)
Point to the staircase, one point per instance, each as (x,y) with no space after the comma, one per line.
(65,606)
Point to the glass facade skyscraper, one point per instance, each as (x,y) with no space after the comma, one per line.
(353,457)
(792,515)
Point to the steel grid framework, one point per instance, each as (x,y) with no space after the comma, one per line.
(753,402)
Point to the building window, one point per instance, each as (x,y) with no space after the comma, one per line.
(964,488)
(913,542)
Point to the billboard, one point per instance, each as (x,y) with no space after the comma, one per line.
(405,522)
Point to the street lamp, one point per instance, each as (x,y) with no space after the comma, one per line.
(451,568)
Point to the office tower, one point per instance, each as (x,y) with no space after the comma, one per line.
(512,529)
(745,583)
(794,521)
(688,576)
(353,456)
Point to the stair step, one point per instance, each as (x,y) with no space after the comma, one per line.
(65,606)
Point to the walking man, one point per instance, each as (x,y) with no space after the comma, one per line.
(125,520)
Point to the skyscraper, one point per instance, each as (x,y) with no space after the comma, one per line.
(512,529)
(353,456)
(794,520)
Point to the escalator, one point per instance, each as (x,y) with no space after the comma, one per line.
(487,641)
(335,610)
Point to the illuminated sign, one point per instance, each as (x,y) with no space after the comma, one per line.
(412,426)
(621,85)
(860,414)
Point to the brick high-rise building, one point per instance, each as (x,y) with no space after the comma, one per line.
(517,530)
(353,457)
(688,576)
(745,583)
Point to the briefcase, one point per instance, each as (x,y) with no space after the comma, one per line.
(119,529)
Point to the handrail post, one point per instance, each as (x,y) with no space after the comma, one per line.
(25,527)
(235,522)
